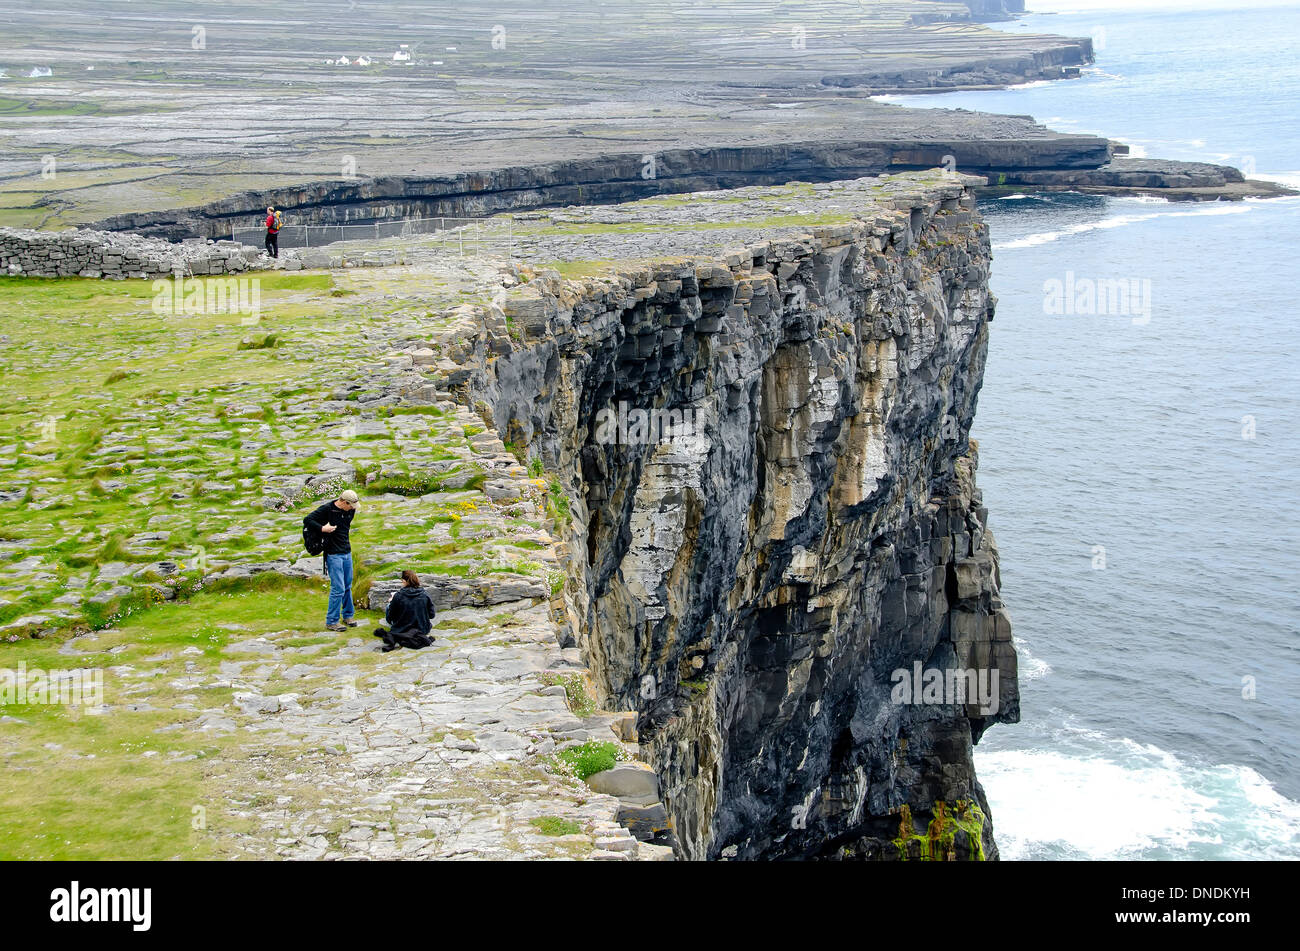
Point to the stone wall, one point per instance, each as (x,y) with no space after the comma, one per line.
(105,254)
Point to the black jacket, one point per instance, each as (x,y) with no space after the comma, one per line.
(410,611)
(336,542)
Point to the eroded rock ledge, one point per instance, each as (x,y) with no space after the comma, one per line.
(750,589)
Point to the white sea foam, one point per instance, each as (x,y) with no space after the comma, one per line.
(1034,85)
(1142,199)
(1118,221)
(1043,797)
(1028,666)
(1289,179)
(1109,798)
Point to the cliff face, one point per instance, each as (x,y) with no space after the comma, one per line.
(994,9)
(600,76)
(1059,60)
(975,143)
(752,587)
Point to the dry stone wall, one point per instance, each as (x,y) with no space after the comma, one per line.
(83,253)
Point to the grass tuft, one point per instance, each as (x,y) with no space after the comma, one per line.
(590,758)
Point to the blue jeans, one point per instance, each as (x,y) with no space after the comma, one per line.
(339,568)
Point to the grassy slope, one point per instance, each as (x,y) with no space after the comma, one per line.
(163,424)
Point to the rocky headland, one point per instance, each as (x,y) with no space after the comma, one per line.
(719,616)
(182,120)
(652,643)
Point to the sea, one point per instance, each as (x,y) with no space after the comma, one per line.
(1139,436)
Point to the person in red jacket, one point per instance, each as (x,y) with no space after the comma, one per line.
(273,223)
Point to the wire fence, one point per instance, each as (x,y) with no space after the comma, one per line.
(456,235)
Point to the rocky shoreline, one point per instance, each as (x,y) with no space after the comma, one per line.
(614,103)
(721,614)
(1040,160)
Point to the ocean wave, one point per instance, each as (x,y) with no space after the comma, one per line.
(1120,799)
(1142,199)
(1117,221)
(1289,179)
(1030,667)
(1035,84)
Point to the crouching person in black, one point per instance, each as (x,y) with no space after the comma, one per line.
(410,616)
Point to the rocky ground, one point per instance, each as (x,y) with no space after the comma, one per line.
(155,468)
(179,119)
(584,241)
(168,104)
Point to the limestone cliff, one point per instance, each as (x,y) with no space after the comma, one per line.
(752,586)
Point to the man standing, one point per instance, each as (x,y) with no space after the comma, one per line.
(333,520)
(273,222)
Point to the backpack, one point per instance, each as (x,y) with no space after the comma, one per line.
(312,539)
(277,223)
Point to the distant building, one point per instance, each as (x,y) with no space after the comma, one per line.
(403,54)
(362,61)
(39,71)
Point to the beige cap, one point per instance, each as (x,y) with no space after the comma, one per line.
(350,497)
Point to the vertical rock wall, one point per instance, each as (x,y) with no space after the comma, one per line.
(751,588)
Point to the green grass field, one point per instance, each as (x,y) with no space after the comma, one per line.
(136,449)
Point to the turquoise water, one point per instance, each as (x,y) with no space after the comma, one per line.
(1150,547)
